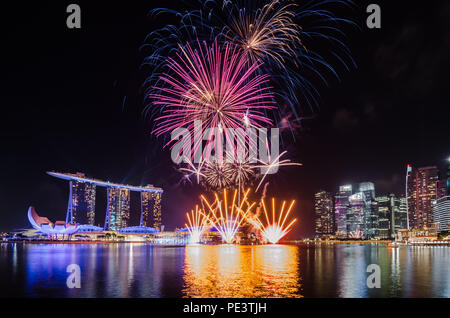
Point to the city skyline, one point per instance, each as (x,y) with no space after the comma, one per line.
(371,123)
(358,211)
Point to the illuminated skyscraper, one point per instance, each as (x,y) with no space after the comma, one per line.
(384,206)
(422,195)
(157,210)
(391,215)
(444,184)
(146,209)
(341,208)
(355,214)
(83,202)
(370,227)
(400,212)
(151,209)
(323,207)
(442,213)
(118,210)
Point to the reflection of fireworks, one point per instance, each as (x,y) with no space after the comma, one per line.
(356,234)
(211,84)
(198,223)
(275,229)
(227,219)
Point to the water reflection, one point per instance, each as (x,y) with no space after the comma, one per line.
(141,270)
(241,271)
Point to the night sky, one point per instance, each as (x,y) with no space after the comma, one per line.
(72,101)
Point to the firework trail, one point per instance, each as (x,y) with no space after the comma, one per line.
(211,84)
(273,164)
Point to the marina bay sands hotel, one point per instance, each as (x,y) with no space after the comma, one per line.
(81,205)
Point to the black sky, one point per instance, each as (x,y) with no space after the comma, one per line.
(71,101)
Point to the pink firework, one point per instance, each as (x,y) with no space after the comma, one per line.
(214,85)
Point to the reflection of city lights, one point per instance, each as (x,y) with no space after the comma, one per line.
(219,271)
(275,229)
(226,219)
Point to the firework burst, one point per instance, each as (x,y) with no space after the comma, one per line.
(275,228)
(299,44)
(197,224)
(212,85)
(268,33)
(228,218)
(218,176)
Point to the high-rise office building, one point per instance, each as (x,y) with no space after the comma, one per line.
(323,208)
(384,206)
(441,212)
(370,228)
(355,213)
(341,208)
(118,208)
(444,184)
(391,215)
(422,195)
(400,220)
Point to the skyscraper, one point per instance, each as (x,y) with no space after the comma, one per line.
(146,209)
(400,213)
(341,207)
(422,194)
(355,214)
(323,207)
(118,208)
(391,215)
(444,184)
(151,209)
(442,213)
(384,206)
(370,228)
(157,210)
(83,202)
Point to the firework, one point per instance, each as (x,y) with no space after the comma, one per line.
(218,176)
(227,219)
(356,234)
(300,44)
(274,164)
(197,224)
(275,228)
(212,85)
(192,169)
(268,33)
